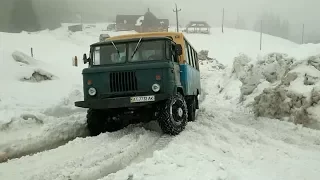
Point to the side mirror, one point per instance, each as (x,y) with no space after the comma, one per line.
(178,49)
(85,59)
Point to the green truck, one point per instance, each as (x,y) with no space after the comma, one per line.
(139,79)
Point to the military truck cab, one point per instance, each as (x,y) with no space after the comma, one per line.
(135,80)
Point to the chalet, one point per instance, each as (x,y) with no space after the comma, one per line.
(141,23)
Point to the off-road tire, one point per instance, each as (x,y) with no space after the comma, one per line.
(98,122)
(167,120)
(192,106)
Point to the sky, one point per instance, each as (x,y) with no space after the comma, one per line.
(298,12)
(294,9)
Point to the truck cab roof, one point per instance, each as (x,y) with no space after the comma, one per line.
(106,42)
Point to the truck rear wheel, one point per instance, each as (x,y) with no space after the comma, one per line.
(192,106)
(173,116)
(99,121)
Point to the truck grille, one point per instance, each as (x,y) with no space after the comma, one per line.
(123,81)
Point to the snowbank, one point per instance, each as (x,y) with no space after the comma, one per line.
(31,68)
(37,109)
(281,87)
(37,130)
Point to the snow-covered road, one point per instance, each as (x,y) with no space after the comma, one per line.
(85,158)
(226,142)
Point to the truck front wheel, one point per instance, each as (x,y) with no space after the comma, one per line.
(173,115)
(99,121)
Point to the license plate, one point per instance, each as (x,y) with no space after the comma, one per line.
(142,99)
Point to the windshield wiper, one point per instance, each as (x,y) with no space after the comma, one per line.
(116,48)
(136,49)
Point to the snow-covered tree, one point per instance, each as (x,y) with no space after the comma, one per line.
(273,25)
(240,23)
(23,17)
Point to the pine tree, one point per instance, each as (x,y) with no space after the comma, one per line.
(23,17)
(5,8)
(273,25)
(286,29)
(50,13)
(240,23)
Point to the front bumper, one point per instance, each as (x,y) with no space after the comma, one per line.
(118,102)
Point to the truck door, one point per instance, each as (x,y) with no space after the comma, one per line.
(176,68)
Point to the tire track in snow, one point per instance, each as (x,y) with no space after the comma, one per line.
(86,158)
(139,152)
(92,157)
(25,141)
(162,142)
(158,145)
(124,157)
(33,129)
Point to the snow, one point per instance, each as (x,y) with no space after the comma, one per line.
(225,47)
(237,135)
(38,114)
(280,86)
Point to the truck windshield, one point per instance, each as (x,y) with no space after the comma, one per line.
(146,51)
(108,54)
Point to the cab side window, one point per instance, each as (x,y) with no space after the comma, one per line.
(168,50)
(174,55)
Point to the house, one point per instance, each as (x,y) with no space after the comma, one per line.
(141,23)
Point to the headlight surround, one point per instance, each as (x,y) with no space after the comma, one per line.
(155,87)
(92,91)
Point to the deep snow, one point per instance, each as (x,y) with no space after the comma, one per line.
(38,115)
(226,142)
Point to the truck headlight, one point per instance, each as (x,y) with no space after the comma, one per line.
(92,91)
(155,87)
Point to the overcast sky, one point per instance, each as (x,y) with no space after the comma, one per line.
(296,11)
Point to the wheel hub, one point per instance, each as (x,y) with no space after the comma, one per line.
(180,112)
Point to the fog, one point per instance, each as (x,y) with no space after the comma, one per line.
(297,12)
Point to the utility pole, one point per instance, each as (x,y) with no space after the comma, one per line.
(222,20)
(177,16)
(302,38)
(261,35)
(237,22)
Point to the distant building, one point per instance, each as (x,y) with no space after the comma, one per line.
(141,23)
(198,27)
